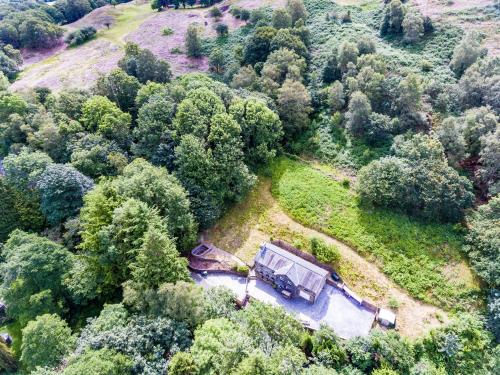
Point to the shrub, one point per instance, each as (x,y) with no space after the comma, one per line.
(426,65)
(245,14)
(325,253)
(346,17)
(167,31)
(215,12)
(79,37)
(242,269)
(221,29)
(393,303)
(236,11)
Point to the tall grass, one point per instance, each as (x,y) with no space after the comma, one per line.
(128,18)
(419,257)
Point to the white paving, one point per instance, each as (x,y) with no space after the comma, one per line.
(346,317)
(236,284)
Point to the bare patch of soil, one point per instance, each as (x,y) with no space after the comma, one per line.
(259,219)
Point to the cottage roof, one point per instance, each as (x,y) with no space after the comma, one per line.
(300,272)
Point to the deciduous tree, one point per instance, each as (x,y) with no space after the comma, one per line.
(483,241)
(261,130)
(99,362)
(46,340)
(413,26)
(281,19)
(466,53)
(120,87)
(142,64)
(34,269)
(62,189)
(193,41)
(358,115)
(294,105)
(297,10)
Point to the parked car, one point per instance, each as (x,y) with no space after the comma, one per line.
(6,338)
(336,277)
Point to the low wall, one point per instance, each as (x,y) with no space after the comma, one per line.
(214,272)
(367,305)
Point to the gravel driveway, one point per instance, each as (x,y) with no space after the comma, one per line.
(332,307)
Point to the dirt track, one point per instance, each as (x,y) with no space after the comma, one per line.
(242,236)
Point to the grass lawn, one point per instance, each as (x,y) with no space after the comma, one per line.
(423,259)
(128,17)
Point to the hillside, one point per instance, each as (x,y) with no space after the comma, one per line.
(249,187)
(131,22)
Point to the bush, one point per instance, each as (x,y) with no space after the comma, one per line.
(167,31)
(215,12)
(393,303)
(222,29)
(346,17)
(236,12)
(257,15)
(242,269)
(325,253)
(245,14)
(81,36)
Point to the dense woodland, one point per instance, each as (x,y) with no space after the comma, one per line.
(105,191)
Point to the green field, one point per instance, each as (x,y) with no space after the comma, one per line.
(423,258)
(127,19)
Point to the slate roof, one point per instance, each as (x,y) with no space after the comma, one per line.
(300,272)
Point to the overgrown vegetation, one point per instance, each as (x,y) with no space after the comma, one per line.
(103,191)
(395,241)
(78,37)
